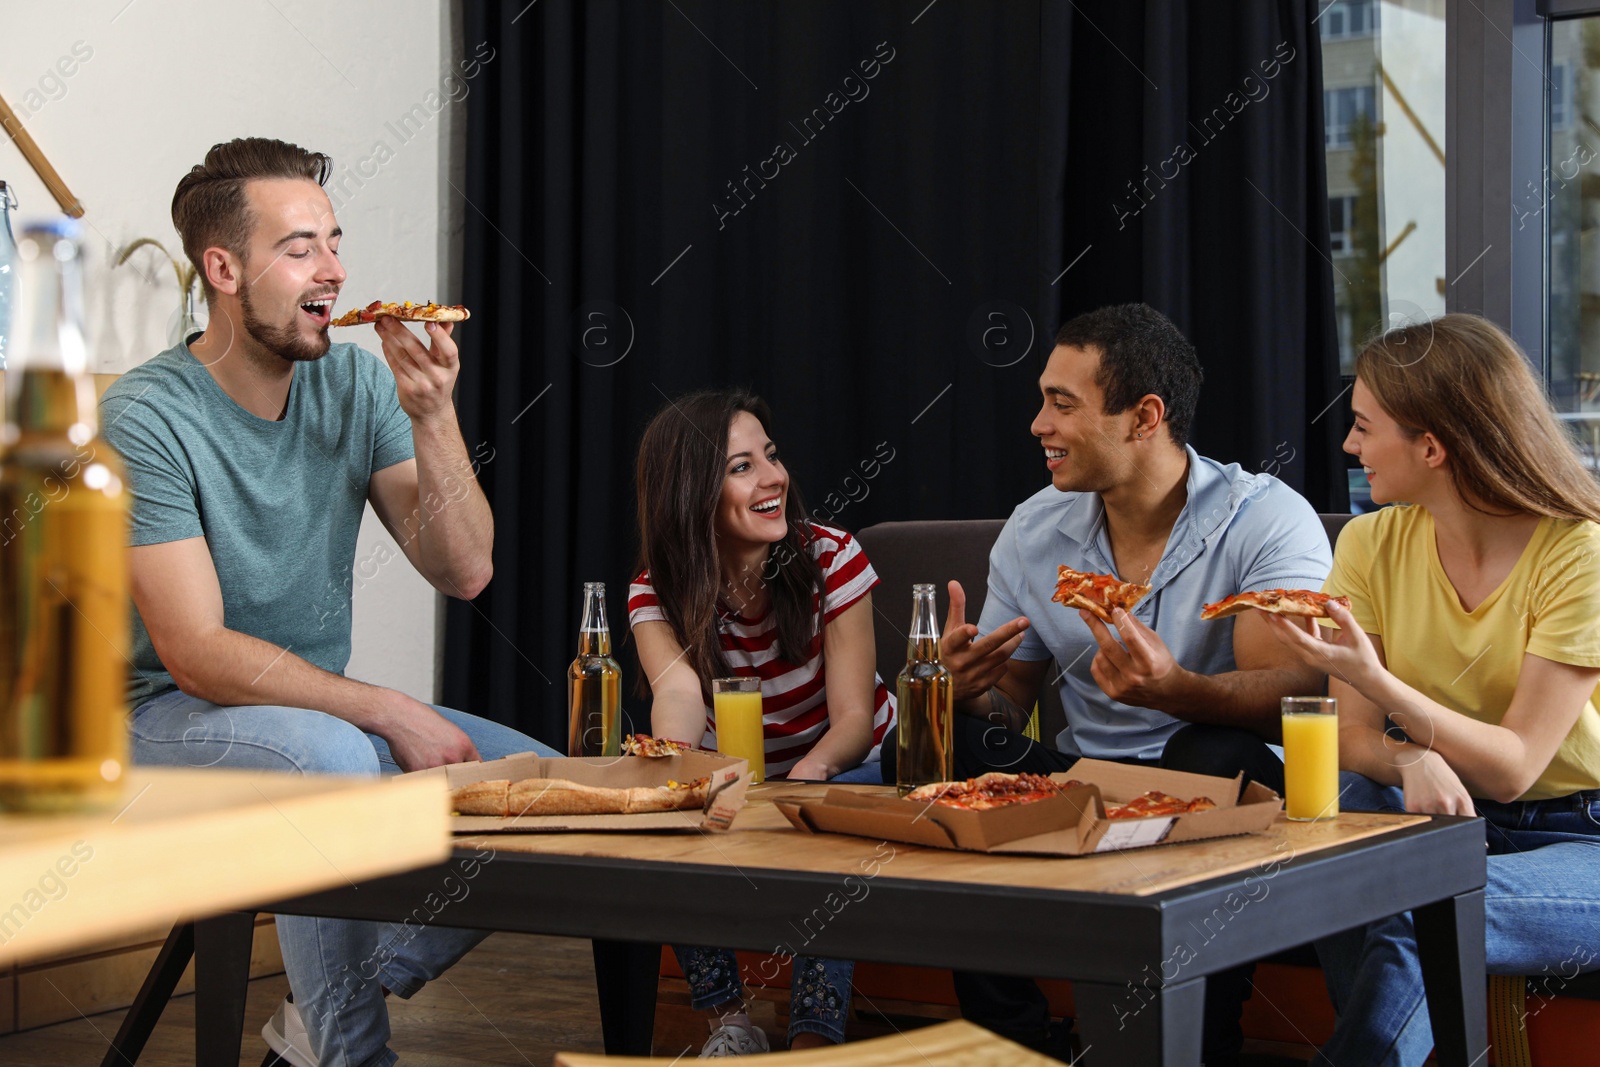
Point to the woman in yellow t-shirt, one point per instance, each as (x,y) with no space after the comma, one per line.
(1474,627)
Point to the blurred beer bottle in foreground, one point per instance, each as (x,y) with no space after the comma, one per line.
(594,684)
(64,610)
(926,706)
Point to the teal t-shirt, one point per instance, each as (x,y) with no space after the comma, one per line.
(279,503)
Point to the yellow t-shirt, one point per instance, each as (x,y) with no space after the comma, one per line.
(1387,563)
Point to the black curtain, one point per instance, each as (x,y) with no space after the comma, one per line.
(1195,181)
(862,211)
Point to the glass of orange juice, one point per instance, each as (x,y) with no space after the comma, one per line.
(736,708)
(1311,757)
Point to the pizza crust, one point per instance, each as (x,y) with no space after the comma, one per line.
(482,798)
(1274,602)
(558,796)
(1092,606)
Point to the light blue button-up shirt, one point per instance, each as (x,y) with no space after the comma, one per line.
(1238,532)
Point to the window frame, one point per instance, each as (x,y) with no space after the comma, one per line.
(1497,54)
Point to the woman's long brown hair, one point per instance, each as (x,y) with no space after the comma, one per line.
(682,464)
(1462,379)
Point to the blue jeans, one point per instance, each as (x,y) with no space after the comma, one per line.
(819,990)
(1541,912)
(866,774)
(338,968)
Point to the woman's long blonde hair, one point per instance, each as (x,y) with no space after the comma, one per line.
(1462,379)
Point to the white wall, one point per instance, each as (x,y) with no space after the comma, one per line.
(164,80)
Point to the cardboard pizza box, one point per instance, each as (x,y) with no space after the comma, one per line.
(1073,824)
(729,780)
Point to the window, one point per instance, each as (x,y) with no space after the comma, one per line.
(1341,110)
(1341,212)
(1348,18)
(1569,206)
(1560,96)
(1386,179)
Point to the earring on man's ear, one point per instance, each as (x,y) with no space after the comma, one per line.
(1139,434)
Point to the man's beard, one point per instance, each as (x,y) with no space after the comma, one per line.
(285,341)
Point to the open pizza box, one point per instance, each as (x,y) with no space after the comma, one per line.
(729,780)
(1073,824)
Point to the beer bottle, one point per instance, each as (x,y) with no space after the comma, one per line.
(64,608)
(927,702)
(594,684)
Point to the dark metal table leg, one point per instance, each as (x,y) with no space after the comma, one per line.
(146,1010)
(1450,944)
(1131,1025)
(221,983)
(625,975)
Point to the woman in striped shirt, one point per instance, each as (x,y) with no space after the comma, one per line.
(734,579)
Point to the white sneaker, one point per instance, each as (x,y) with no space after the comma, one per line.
(735,1041)
(285,1034)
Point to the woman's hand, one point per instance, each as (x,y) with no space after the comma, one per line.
(1433,788)
(811,769)
(1345,653)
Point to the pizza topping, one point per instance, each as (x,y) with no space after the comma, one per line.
(652,747)
(998,790)
(1096,593)
(992,790)
(1302,602)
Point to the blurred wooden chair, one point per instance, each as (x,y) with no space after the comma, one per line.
(952,1044)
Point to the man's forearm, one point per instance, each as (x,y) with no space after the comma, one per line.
(232,669)
(455,531)
(1246,699)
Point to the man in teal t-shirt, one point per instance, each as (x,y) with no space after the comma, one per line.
(252,451)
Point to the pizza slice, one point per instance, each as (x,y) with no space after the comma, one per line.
(405,312)
(993,790)
(653,747)
(1302,602)
(1098,594)
(1155,802)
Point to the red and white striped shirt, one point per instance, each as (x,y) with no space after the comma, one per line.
(793,696)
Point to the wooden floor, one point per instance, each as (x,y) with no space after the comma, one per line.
(516,1000)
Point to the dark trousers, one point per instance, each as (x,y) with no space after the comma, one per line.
(1015,1007)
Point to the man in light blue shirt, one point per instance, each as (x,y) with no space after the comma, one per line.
(1128,497)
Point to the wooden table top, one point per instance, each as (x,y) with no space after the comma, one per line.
(761,838)
(191,843)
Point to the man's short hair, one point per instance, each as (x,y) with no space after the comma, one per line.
(1141,352)
(209,208)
